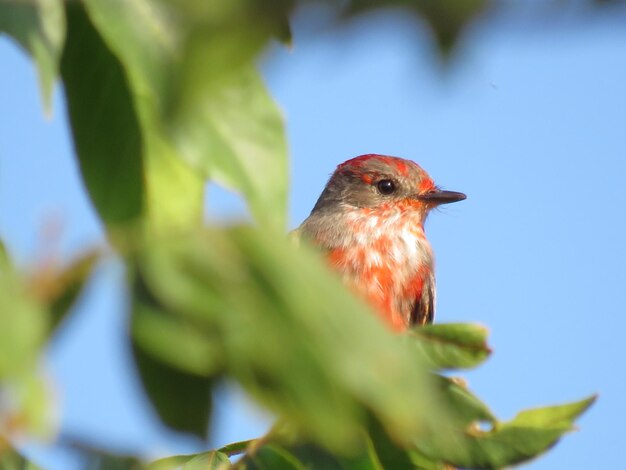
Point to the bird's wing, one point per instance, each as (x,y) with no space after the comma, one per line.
(423,311)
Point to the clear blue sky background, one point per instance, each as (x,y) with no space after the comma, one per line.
(530,122)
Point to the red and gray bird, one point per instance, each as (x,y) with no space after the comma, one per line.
(369,221)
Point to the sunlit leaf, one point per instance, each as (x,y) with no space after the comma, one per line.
(237,447)
(24,322)
(107,137)
(190,65)
(531,433)
(129,168)
(208,461)
(452,345)
(233,132)
(175,462)
(23,325)
(558,415)
(39,26)
(321,361)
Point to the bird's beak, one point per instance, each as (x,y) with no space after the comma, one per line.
(439,196)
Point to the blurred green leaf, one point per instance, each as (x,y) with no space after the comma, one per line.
(190,65)
(175,462)
(321,361)
(10,459)
(173,359)
(478,441)
(233,133)
(71,282)
(276,458)
(5,258)
(301,457)
(143,35)
(383,452)
(39,26)
(452,345)
(181,399)
(208,461)
(173,340)
(422,462)
(129,168)
(531,433)
(107,137)
(60,287)
(105,461)
(464,407)
(237,447)
(23,325)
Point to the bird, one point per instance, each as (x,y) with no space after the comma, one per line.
(369,224)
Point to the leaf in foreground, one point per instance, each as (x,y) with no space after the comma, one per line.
(451,345)
(283,326)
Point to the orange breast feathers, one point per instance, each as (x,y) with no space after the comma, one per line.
(389,274)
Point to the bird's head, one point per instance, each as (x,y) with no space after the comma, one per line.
(379,183)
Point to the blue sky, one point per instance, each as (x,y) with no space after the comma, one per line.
(529,121)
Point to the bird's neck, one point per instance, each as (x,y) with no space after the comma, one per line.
(366,227)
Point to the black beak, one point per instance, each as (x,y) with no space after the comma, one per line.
(439,196)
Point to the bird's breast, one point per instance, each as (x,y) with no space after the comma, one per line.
(388,261)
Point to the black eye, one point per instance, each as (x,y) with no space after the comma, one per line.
(386,187)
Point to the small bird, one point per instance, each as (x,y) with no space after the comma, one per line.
(369,221)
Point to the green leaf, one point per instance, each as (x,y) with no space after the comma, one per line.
(70,283)
(215,459)
(10,459)
(106,461)
(531,433)
(208,461)
(463,407)
(471,446)
(107,137)
(452,346)
(321,361)
(39,26)
(233,133)
(59,288)
(175,342)
(130,170)
(5,258)
(383,451)
(276,455)
(23,325)
(237,447)
(181,399)
(174,462)
(173,359)
(421,462)
(558,415)
(190,65)
(275,458)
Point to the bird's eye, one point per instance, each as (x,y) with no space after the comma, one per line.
(386,187)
